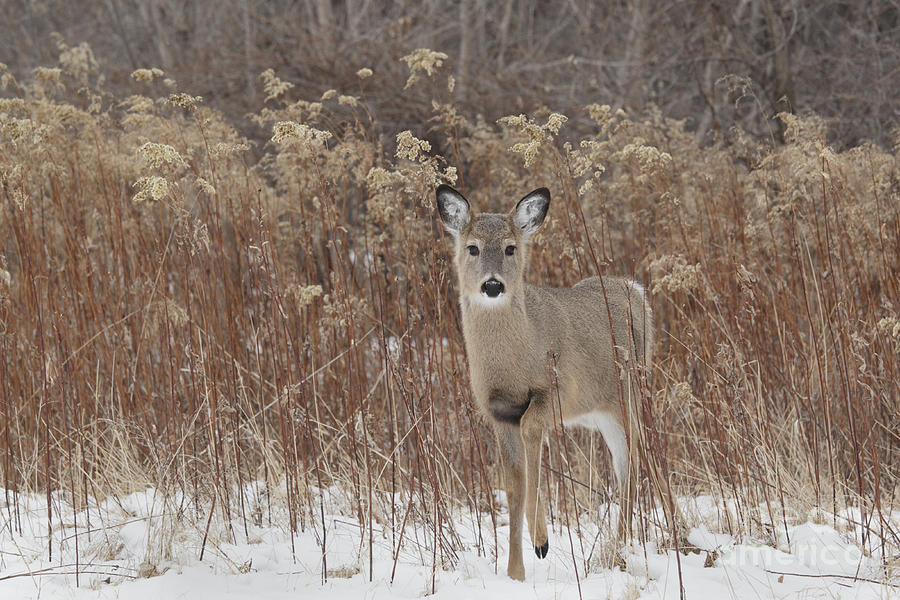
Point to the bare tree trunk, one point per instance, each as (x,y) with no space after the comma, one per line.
(504,32)
(113,7)
(325,17)
(634,55)
(151,13)
(248,50)
(465,48)
(784,84)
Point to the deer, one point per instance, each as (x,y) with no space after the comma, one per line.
(521,340)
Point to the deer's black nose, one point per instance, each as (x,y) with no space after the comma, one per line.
(492,288)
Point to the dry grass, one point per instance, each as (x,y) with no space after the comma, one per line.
(180,310)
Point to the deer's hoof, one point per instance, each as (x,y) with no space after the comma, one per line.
(541,551)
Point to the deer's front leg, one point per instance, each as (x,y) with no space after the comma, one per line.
(512,459)
(534,422)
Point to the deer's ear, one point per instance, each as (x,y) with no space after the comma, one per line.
(453,208)
(531,211)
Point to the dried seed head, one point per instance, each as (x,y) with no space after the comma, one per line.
(306,294)
(422,60)
(150,188)
(184,101)
(411,147)
(206,186)
(147,74)
(273,86)
(291,133)
(161,155)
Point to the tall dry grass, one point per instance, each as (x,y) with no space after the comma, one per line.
(183,310)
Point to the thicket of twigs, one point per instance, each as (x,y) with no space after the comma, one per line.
(178,315)
(837,59)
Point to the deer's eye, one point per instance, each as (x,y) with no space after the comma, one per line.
(510,250)
(473,250)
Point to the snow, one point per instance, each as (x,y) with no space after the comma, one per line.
(147,547)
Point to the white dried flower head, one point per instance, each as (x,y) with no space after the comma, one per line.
(329,94)
(890,327)
(364,73)
(537,134)
(5,76)
(679,275)
(184,101)
(587,186)
(47,75)
(161,155)
(19,198)
(338,312)
(649,158)
(554,122)
(451,83)
(411,148)
(684,395)
(10,176)
(600,114)
(199,237)
(746,279)
(379,179)
(529,151)
(150,188)
(95,104)
(581,163)
(450,175)
(291,133)
(78,61)
(225,149)
(206,186)
(306,294)
(138,105)
(22,131)
(348,100)
(422,59)
(166,310)
(272,85)
(147,74)
(177,315)
(517,122)
(381,200)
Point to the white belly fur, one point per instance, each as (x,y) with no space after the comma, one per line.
(614,436)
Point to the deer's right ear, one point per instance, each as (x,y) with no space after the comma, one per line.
(453,208)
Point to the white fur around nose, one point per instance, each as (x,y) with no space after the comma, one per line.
(614,436)
(485,301)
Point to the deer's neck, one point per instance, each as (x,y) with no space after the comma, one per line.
(500,342)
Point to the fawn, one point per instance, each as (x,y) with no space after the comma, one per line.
(515,333)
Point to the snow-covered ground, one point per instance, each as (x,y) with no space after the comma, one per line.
(142,547)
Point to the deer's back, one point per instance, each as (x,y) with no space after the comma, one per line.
(575,325)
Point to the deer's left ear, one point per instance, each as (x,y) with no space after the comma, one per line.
(531,211)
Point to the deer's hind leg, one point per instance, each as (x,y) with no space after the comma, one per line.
(612,427)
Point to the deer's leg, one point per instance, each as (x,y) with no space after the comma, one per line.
(612,426)
(512,458)
(534,422)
